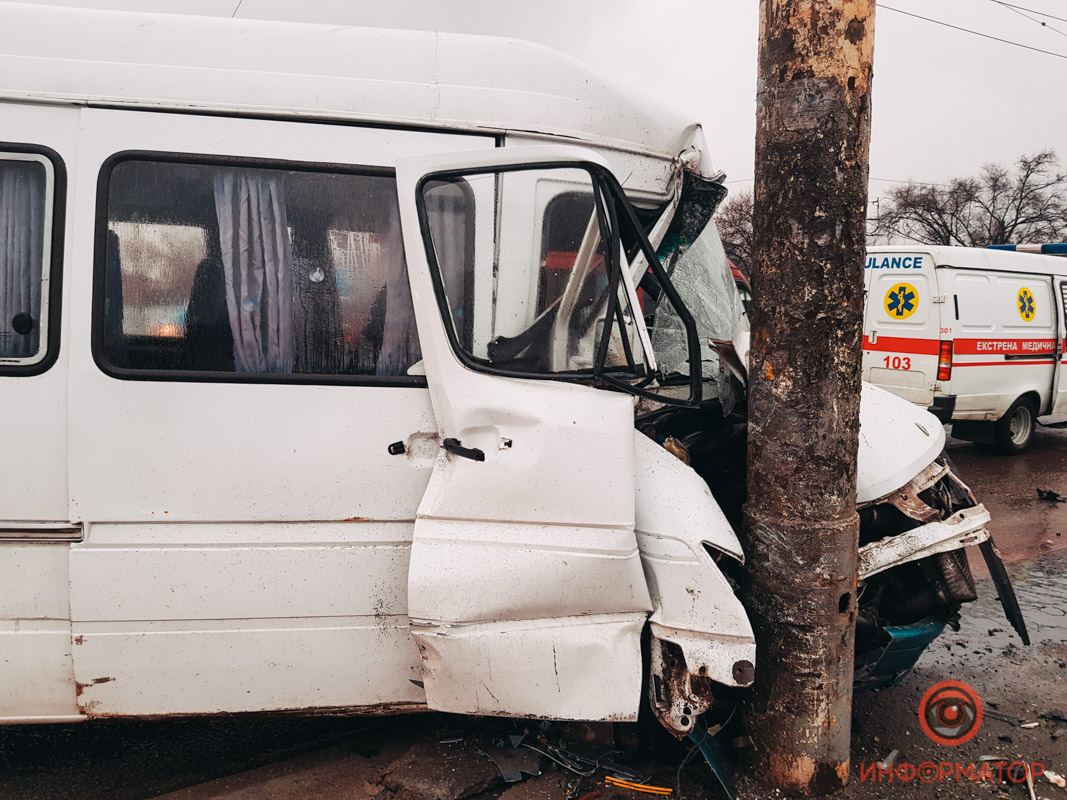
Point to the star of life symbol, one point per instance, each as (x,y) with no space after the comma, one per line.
(901,301)
(1027,308)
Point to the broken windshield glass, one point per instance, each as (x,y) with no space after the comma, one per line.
(694,258)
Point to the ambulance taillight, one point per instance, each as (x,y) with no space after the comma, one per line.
(944,362)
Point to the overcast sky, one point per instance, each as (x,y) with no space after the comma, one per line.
(945,101)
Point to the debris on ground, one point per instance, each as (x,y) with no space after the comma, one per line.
(1001,717)
(1056,778)
(549,786)
(642,788)
(434,771)
(514,763)
(1051,496)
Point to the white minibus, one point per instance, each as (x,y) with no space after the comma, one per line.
(338,372)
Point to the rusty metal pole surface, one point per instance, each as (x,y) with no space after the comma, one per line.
(801,527)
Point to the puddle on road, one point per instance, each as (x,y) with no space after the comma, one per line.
(1041,587)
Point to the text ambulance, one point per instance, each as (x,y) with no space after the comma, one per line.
(974,335)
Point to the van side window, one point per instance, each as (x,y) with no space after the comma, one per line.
(225,271)
(561,236)
(27,186)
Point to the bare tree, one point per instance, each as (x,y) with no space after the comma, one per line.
(1000,206)
(735,227)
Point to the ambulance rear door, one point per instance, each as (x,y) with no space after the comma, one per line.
(1005,341)
(902,324)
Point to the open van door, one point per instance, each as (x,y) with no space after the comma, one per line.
(526,595)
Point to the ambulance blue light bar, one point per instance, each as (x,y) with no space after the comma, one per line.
(1044,249)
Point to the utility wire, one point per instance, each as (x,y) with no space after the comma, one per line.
(1033,11)
(975,33)
(909,180)
(1021,13)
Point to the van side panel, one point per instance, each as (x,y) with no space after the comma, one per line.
(36,672)
(1005,341)
(902,325)
(246,543)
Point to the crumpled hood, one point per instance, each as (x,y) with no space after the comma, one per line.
(897,439)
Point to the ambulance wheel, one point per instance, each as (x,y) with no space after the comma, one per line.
(1015,430)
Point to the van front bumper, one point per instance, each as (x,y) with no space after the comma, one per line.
(942,407)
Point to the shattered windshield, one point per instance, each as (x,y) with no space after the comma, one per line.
(694,258)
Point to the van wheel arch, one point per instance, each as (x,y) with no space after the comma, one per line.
(1015,430)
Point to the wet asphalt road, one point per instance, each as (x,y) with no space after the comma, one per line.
(1023,526)
(146,759)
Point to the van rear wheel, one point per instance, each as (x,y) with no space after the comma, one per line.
(1015,430)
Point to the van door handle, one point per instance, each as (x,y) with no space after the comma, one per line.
(456,448)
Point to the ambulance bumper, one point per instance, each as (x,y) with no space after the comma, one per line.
(942,407)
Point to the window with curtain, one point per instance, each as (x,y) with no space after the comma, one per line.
(23,255)
(234,270)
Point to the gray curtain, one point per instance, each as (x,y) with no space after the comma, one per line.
(257,262)
(22,189)
(399,336)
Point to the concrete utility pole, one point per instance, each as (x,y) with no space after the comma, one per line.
(801,527)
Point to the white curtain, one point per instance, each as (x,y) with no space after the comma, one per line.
(22,188)
(257,261)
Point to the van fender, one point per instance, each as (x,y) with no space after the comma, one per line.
(700,633)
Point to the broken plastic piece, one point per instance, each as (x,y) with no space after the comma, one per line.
(716,761)
(1005,592)
(1048,494)
(513,763)
(1056,778)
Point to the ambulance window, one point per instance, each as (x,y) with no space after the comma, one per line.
(972,298)
(218,271)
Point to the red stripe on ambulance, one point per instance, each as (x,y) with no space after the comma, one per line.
(901,344)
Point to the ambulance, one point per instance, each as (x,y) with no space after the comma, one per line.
(974,335)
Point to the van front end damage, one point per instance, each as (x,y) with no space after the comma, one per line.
(914,575)
(699,634)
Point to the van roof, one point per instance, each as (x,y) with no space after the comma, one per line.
(257,67)
(980,258)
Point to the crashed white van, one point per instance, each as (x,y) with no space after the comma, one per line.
(336,367)
(975,335)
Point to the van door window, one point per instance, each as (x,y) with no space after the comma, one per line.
(509,331)
(230,271)
(26,188)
